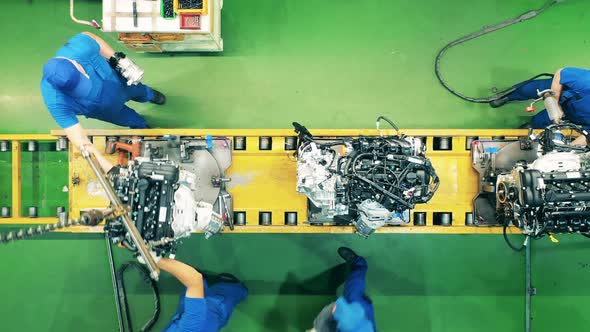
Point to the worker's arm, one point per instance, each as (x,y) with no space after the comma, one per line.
(77,137)
(186,274)
(580,140)
(105,49)
(556,86)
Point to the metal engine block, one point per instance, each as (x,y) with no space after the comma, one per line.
(539,184)
(367,181)
(173,187)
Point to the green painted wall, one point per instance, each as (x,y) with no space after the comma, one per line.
(333,64)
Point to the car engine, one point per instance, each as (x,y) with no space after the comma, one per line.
(543,189)
(172,187)
(369,181)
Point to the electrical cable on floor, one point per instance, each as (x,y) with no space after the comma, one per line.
(488,29)
(145,275)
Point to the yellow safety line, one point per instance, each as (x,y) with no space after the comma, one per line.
(32,137)
(16,179)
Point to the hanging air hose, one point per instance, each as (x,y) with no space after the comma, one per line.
(488,29)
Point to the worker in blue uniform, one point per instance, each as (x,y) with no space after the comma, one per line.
(87,77)
(352,312)
(202,308)
(572,89)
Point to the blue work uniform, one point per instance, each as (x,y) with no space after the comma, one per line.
(354,292)
(109,93)
(354,288)
(574,100)
(208,314)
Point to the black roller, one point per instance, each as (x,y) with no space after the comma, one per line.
(419,218)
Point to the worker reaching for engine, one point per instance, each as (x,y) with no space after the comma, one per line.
(87,77)
(571,87)
(202,307)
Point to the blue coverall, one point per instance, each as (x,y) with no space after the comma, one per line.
(109,92)
(574,100)
(211,313)
(354,287)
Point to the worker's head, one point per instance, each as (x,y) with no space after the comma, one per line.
(63,75)
(351,317)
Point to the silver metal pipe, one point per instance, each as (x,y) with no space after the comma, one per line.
(530,290)
(127,222)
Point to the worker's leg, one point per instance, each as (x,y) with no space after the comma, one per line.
(125,117)
(529,90)
(354,286)
(222,299)
(140,93)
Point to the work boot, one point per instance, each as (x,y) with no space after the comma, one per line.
(347,254)
(159,98)
(227,277)
(499,102)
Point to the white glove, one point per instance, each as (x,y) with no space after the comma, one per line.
(154,256)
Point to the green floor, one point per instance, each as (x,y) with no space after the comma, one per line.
(332,64)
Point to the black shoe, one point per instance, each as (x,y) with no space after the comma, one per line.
(499,102)
(347,254)
(227,277)
(159,98)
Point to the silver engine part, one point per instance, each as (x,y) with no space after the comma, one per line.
(175,187)
(544,189)
(367,181)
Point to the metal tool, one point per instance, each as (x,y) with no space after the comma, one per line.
(120,211)
(551,105)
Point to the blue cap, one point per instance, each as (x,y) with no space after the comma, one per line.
(65,77)
(351,317)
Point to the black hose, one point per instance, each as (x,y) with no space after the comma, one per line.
(488,29)
(144,273)
(508,241)
(388,121)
